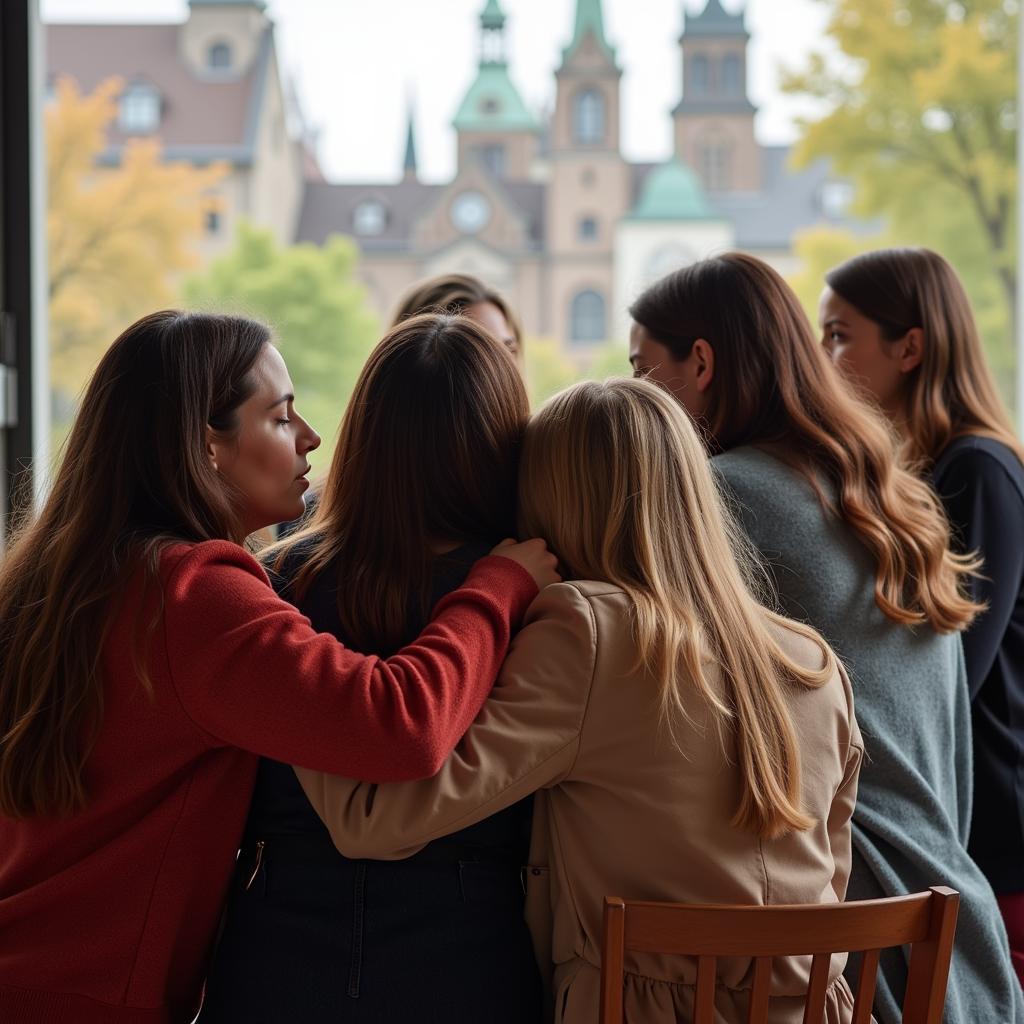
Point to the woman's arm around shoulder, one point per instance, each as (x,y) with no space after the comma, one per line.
(526,738)
(251,672)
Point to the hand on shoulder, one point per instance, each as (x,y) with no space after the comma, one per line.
(534,557)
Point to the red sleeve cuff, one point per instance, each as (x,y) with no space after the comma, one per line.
(506,581)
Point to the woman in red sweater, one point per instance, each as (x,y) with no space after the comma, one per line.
(145,662)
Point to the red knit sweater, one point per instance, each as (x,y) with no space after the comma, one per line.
(109,915)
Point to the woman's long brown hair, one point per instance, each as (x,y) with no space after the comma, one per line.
(775,385)
(134,476)
(428,452)
(951,393)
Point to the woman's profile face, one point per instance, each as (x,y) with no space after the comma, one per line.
(492,320)
(265,460)
(681,378)
(860,352)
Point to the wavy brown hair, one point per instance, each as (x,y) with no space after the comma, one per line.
(453,294)
(951,392)
(134,476)
(428,452)
(615,477)
(774,385)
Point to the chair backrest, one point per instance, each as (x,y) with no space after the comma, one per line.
(926,921)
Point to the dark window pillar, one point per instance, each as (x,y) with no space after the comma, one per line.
(23,377)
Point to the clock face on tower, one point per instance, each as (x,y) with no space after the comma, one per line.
(470,212)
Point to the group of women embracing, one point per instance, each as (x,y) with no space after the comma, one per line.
(733,670)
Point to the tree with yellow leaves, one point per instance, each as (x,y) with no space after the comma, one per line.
(922,96)
(118,237)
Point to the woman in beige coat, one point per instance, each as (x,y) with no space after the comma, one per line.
(685,743)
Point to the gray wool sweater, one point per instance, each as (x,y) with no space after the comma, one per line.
(913,811)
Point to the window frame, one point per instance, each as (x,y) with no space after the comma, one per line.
(139,96)
(589,117)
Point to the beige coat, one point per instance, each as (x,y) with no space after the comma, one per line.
(619,810)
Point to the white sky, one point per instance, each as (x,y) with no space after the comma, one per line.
(355,62)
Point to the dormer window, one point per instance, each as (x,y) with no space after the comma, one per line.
(139,109)
(218,57)
(370,218)
(490,106)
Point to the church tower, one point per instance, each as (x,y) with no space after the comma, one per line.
(589,188)
(714,121)
(493,124)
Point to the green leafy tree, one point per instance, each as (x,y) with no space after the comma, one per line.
(318,311)
(922,120)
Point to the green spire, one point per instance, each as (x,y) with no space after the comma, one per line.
(493,16)
(673,192)
(493,103)
(589,18)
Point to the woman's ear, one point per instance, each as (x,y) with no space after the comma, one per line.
(212,446)
(704,368)
(910,350)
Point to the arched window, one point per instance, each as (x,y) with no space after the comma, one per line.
(732,78)
(587,317)
(139,109)
(370,217)
(219,57)
(699,77)
(588,117)
(715,156)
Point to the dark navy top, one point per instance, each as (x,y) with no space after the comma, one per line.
(981,483)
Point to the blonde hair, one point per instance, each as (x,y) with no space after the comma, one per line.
(614,476)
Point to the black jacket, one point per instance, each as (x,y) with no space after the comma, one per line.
(981,483)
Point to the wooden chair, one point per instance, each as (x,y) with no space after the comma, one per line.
(926,921)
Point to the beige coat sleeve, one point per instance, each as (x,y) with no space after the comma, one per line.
(525,738)
(843,803)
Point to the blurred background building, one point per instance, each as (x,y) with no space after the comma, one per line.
(545,208)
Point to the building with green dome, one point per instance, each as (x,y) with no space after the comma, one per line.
(545,207)
(543,204)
